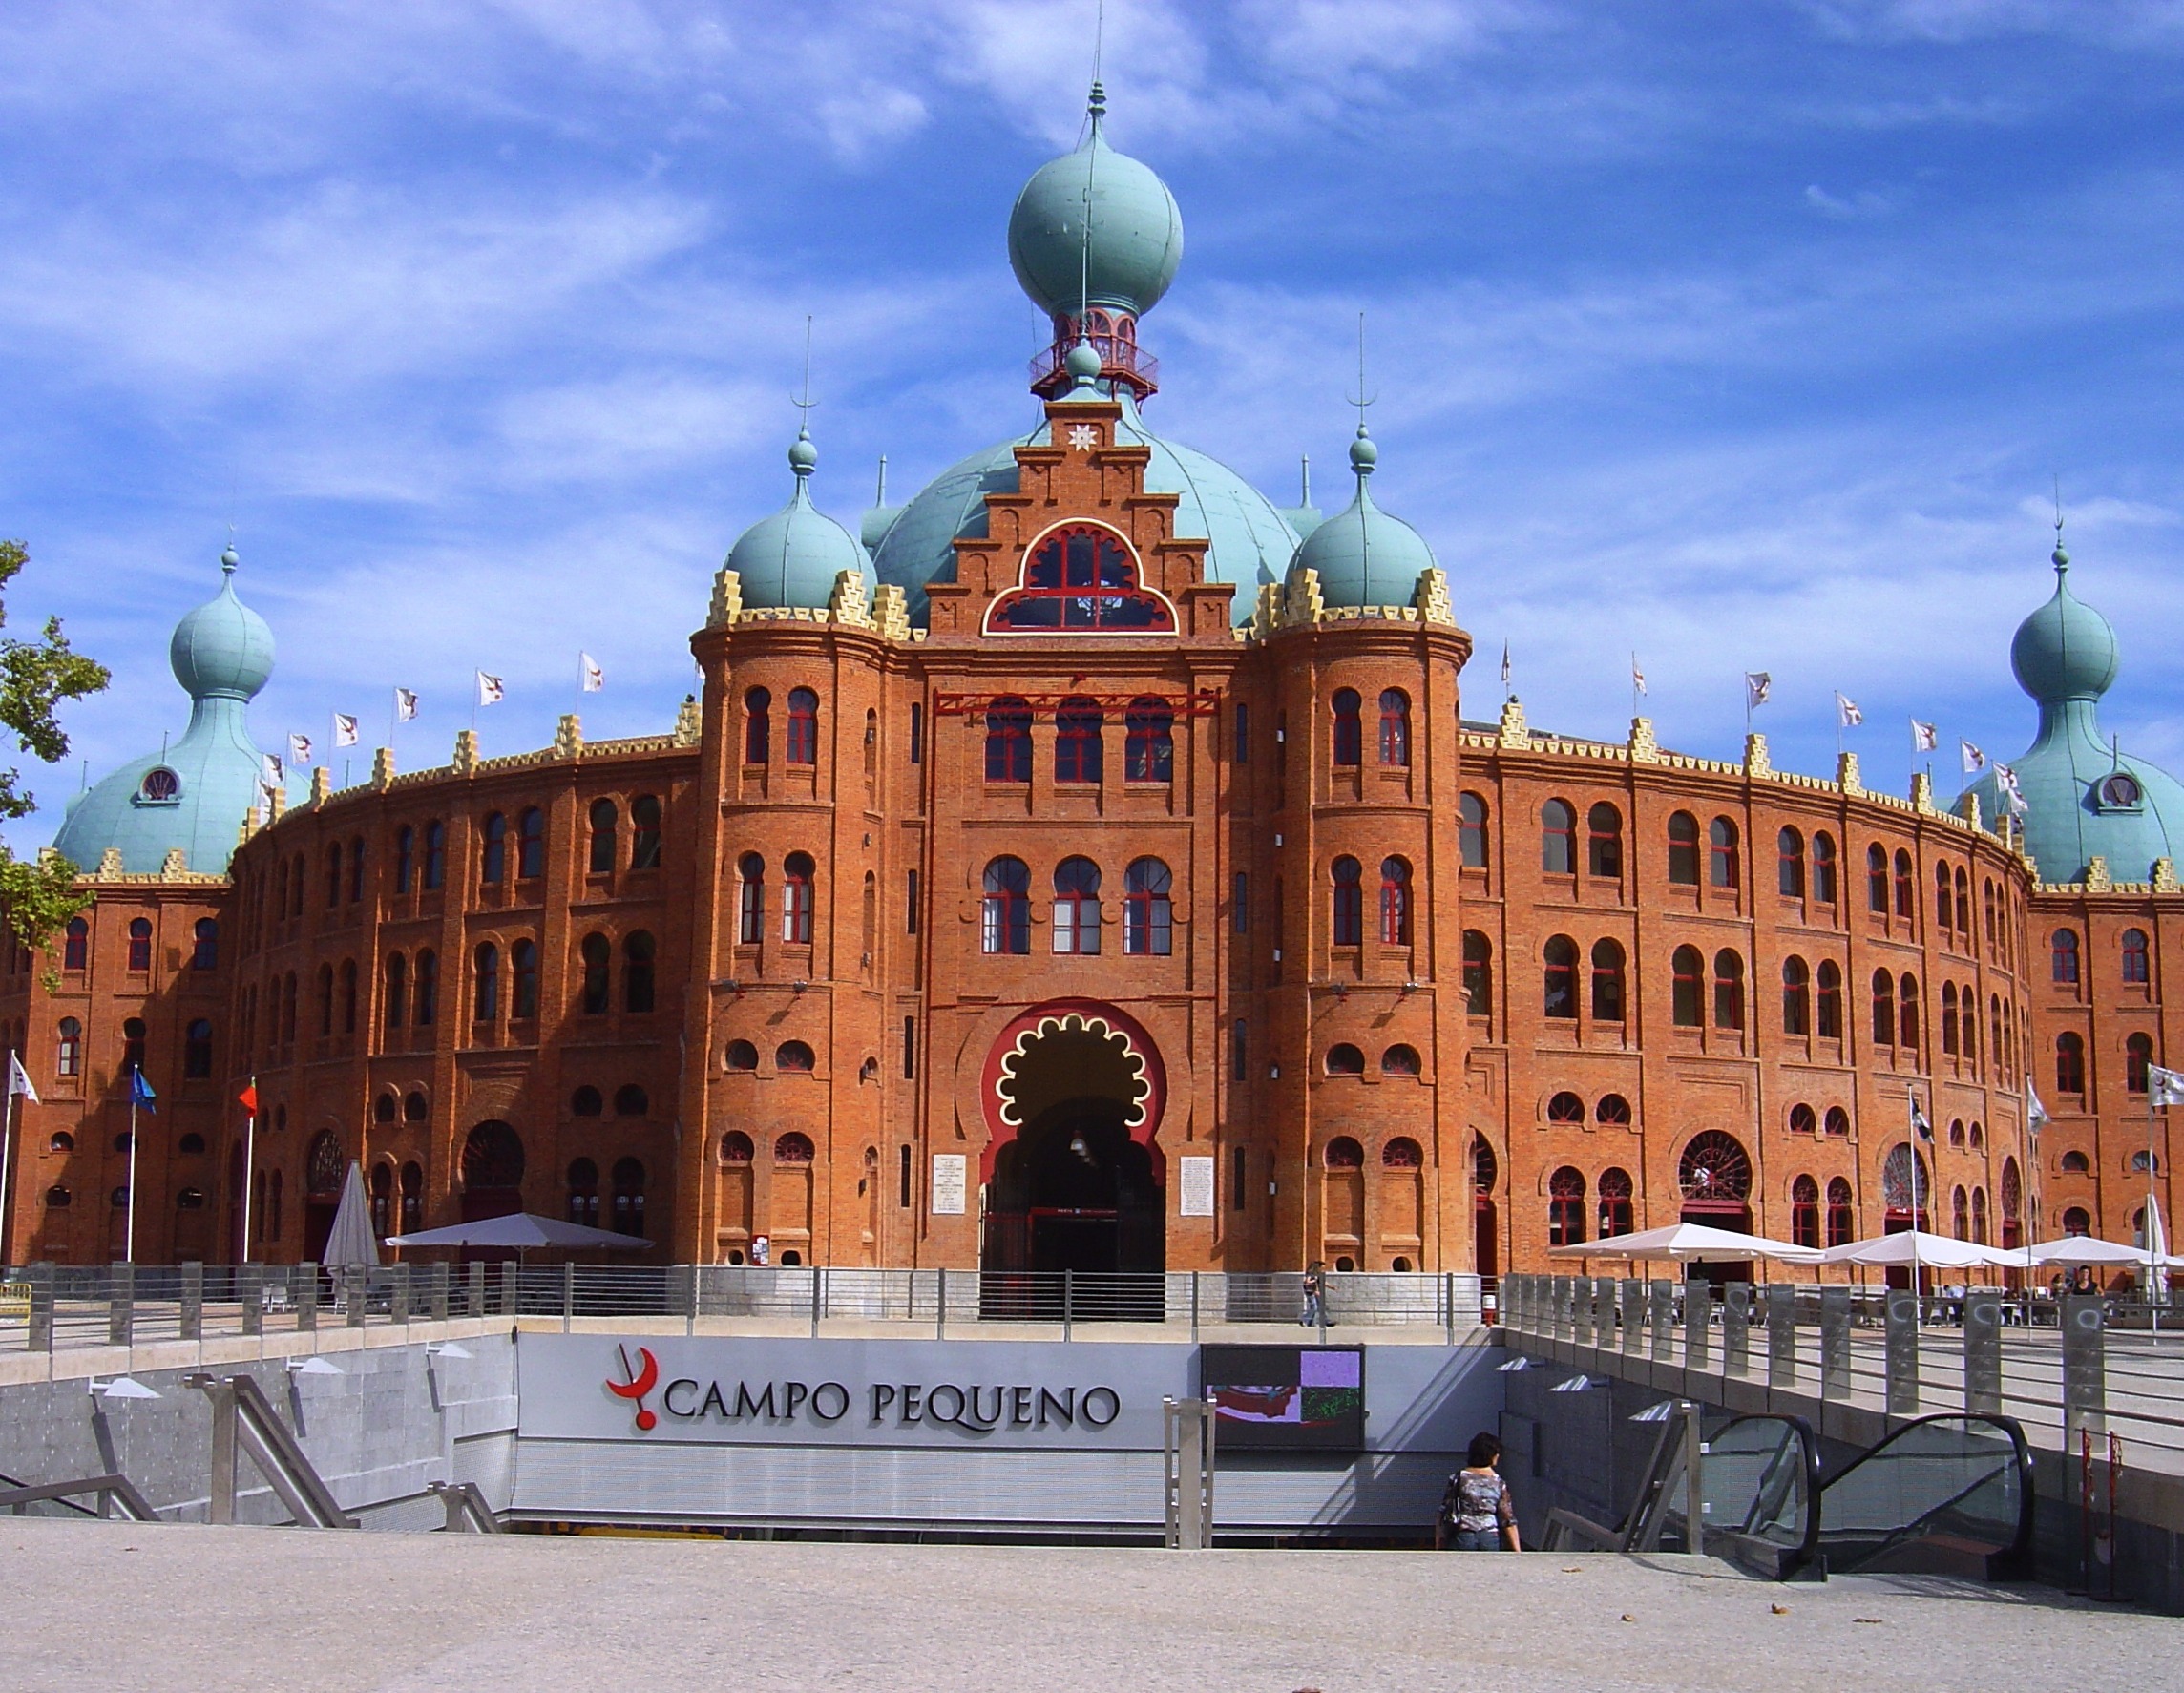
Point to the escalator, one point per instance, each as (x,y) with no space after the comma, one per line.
(1949,1494)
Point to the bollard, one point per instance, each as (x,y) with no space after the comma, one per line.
(1782,1335)
(940,1305)
(1698,1323)
(122,1304)
(250,1295)
(1560,1296)
(353,1300)
(41,1335)
(2085,1365)
(1661,1319)
(189,1317)
(306,1285)
(1604,1313)
(1633,1293)
(474,1302)
(438,1294)
(1580,1310)
(398,1296)
(568,1296)
(1903,1351)
(1736,1329)
(1982,1354)
(510,1289)
(1835,1342)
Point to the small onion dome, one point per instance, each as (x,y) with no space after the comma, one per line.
(224,649)
(2066,650)
(793,557)
(1363,556)
(1136,230)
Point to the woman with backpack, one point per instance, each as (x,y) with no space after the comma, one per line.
(1476,1511)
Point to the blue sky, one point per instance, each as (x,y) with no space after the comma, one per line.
(1739,334)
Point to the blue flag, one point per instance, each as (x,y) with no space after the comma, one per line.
(141,1090)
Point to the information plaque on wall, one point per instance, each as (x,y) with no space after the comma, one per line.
(1196,1187)
(949,1180)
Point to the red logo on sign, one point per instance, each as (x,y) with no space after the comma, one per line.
(641,1381)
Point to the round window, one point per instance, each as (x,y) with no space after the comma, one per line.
(2118,790)
(160,784)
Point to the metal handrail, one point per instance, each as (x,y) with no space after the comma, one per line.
(117,1490)
(2006,1561)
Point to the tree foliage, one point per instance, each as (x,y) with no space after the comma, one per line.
(36,675)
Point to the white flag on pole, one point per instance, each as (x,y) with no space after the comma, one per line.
(2164,1087)
(270,776)
(1504,664)
(404,705)
(2035,1114)
(299,750)
(1637,676)
(489,691)
(345,729)
(1757,686)
(1919,1125)
(1924,736)
(1975,761)
(595,679)
(2012,795)
(1847,714)
(19,1080)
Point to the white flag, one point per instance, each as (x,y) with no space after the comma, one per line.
(489,691)
(299,750)
(1637,676)
(2164,1087)
(1920,1126)
(19,1080)
(1757,686)
(270,776)
(345,729)
(595,679)
(1975,761)
(1847,714)
(2012,795)
(1924,736)
(1505,663)
(2035,1114)
(404,705)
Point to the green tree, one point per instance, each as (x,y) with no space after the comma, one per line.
(36,675)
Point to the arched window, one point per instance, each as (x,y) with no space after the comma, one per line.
(2064,955)
(1565,1207)
(1728,989)
(1979,1216)
(1080,578)
(801,745)
(792,1148)
(2137,1060)
(348,996)
(523,970)
(1837,1122)
(1607,981)
(1401,1060)
(1349,744)
(1349,907)
(68,1057)
(2012,1201)
(1008,741)
(1790,864)
(382,1200)
(387,1108)
(1949,1046)
(1906,886)
(644,832)
(1345,1059)
(493,851)
(1565,1108)
(1687,998)
(1827,1023)
(531,842)
(325,999)
(1908,1013)
(1876,878)
(2075,1163)
(1961,1214)
(1617,1214)
(1148,742)
(638,953)
(485,994)
(584,1192)
(1723,868)
(736,1148)
(606,822)
(1804,1212)
(1471,830)
(1802,1122)
(428,993)
(598,955)
(2069,1063)
(1395,726)
(132,1045)
(1077,906)
(1076,743)
(1884,1008)
(631,1100)
(1485,1167)
(435,855)
(1394,902)
(1603,841)
(140,943)
(758,726)
(587,1101)
(1824,869)
(196,1050)
(394,992)
(1684,849)
(797,870)
(1560,958)
(794,1058)
(1978,1137)
(1006,914)
(1715,1169)
(1478,974)
(2134,956)
(333,875)
(1558,838)
(1796,991)
(750,899)
(404,856)
(204,953)
(741,1056)
(1147,921)
(628,1197)
(1964,904)
(1945,900)
(76,945)
(1842,1213)
(1613,1111)
(1344,1154)
(1403,1153)
(356,869)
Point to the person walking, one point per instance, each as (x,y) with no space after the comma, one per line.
(1476,1510)
(1315,1295)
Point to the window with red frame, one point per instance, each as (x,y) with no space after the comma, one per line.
(1348,908)
(1394,902)
(1395,726)
(1149,742)
(802,742)
(1080,578)
(1348,743)
(1565,1209)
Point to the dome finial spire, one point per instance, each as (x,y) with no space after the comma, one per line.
(1363,454)
(803,456)
(2060,558)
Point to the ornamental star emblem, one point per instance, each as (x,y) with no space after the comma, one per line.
(1084,437)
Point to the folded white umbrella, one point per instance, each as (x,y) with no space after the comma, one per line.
(1900,1251)
(1691,1242)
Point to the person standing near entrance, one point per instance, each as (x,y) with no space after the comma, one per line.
(1476,1511)
(1315,1295)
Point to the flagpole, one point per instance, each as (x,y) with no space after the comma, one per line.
(7,1165)
(1918,1291)
(249,1160)
(129,1244)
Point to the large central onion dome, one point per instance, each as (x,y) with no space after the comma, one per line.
(1136,239)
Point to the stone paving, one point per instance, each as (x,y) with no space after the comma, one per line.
(120,1608)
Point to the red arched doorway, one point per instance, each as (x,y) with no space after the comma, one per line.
(493,1171)
(324,1168)
(1486,1219)
(1715,1178)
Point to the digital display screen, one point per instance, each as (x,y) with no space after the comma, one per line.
(1286,1398)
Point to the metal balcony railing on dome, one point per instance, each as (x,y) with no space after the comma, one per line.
(1119,360)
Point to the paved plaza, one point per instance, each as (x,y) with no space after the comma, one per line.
(125,1608)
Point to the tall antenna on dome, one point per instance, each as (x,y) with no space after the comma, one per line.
(1360,399)
(804,402)
(1361,457)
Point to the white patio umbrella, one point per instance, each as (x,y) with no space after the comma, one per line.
(349,1244)
(2077,1249)
(1916,1246)
(1691,1242)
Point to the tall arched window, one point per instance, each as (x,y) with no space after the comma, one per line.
(796,874)
(584,1192)
(644,832)
(2012,1199)
(2137,1060)
(1148,742)
(606,822)
(1949,1047)
(629,1197)
(1824,869)
(801,745)
(1607,981)
(531,842)
(140,943)
(1684,849)
(750,899)
(333,875)
(1077,906)
(1559,961)
(1884,1008)
(638,956)
(1395,726)
(1394,902)
(325,1000)
(196,1050)
(523,980)
(1687,998)
(2069,1063)
(356,869)
(394,992)
(485,984)
(1906,886)
(1979,1216)
(1565,1207)
(133,1040)
(1796,990)
(204,953)
(348,996)
(1945,901)
(598,955)
(68,1052)
(1804,1212)
(404,857)
(76,945)
(435,855)
(1349,903)
(428,993)
(2063,955)
(1349,740)
(1908,1013)
(492,849)
(1604,841)
(1828,1022)
(1008,741)
(1723,868)
(1478,974)
(1147,921)
(1964,904)
(758,726)
(1961,1214)
(1471,830)
(2135,964)
(1006,914)
(1728,989)
(1842,1213)
(1558,838)
(1790,864)
(1617,1214)
(1077,744)
(1876,878)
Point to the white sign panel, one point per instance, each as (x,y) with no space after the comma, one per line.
(1197,1188)
(948,1183)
